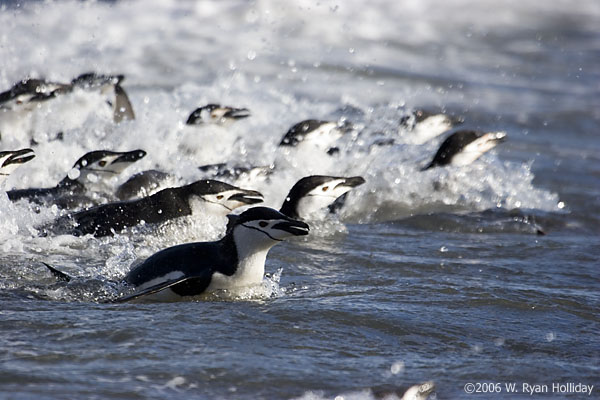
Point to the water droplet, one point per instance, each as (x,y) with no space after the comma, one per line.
(74,173)
(351,50)
(251,55)
(397,367)
(561,205)
(550,336)
(443,249)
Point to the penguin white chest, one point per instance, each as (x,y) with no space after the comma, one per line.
(250,272)
(252,249)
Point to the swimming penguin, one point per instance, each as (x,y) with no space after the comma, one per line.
(205,196)
(19,101)
(110,87)
(321,134)
(415,392)
(314,193)
(237,260)
(27,92)
(92,171)
(216,114)
(424,125)
(235,172)
(463,147)
(11,160)
(144,184)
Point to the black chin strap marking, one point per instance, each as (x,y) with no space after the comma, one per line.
(217,203)
(266,233)
(100,170)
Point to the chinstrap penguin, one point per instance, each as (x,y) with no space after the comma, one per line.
(144,184)
(25,93)
(314,193)
(234,172)
(463,147)
(216,114)
(205,196)
(110,87)
(90,172)
(11,160)
(237,260)
(318,133)
(425,125)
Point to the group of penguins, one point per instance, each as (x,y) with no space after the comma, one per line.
(238,258)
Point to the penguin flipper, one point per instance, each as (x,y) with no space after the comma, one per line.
(61,276)
(151,290)
(123,107)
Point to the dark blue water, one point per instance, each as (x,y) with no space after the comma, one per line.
(411,284)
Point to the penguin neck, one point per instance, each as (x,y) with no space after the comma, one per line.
(289,207)
(251,256)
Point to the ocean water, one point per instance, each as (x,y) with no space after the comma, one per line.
(436,276)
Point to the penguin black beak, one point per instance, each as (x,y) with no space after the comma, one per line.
(352,182)
(237,113)
(130,157)
(19,157)
(247,197)
(498,137)
(296,228)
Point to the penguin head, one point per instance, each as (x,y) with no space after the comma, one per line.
(27,92)
(101,165)
(93,81)
(264,227)
(470,145)
(321,134)
(427,125)
(316,192)
(11,160)
(463,147)
(219,197)
(216,114)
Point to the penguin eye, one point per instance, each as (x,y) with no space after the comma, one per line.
(102,163)
(219,197)
(263,224)
(325,188)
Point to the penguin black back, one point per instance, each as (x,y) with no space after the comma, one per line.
(451,146)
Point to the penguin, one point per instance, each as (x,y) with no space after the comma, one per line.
(26,93)
(91,171)
(144,184)
(425,125)
(463,147)
(416,392)
(318,133)
(11,160)
(316,192)
(109,86)
(235,172)
(18,102)
(216,114)
(237,260)
(148,182)
(204,196)
(419,392)
(19,105)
